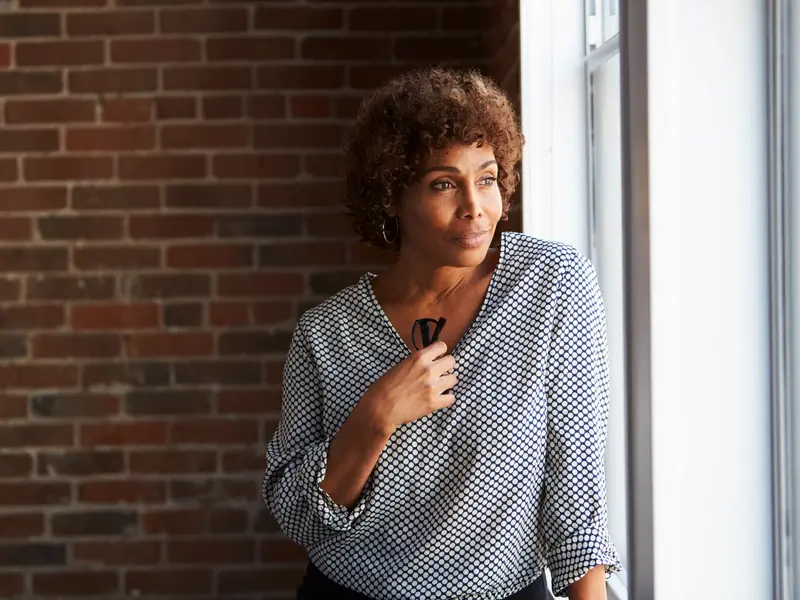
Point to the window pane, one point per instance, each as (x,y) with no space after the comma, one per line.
(607,248)
(602,22)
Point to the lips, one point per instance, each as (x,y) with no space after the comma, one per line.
(473,239)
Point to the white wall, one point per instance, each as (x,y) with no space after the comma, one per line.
(711,420)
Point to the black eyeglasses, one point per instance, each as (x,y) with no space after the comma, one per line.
(425,336)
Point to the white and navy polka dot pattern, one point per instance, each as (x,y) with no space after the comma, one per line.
(473,501)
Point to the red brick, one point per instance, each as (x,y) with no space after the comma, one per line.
(80,228)
(49,111)
(140,433)
(166,166)
(71,406)
(427,48)
(69,345)
(125,374)
(108,80)
(21,525)
(48,316)
(80,463)
(116,257)
(171,344)
(173,522)
(248,401)
(214,431)
(8,169)
(210,256)
(173,462)
(300,77)
(127,110)
(27,435)
(347,107)
(266,106)
(109,23)
(170,286)
(13,406)
(255,166)
(218,490)
(61,3)
(207,78)
(311,107)
(171,582)
(370,76)
(156,50)
(282,551)
(301,254)
(69,288)
(184,314)
(12,584)
(243,461)
(241,581)
(29,494)
(69,168)
(300,194)
(298,18)
(210,551)
(204,20)
(110,139)
(13,140)
(272,313)
(180,107)
(59,54)
(393,19)
(23,83)
(229,314)
(15,465)
(115,197)
(117,553)
(209,196)
(375,49)
(29,25)
(229,372)
(114,317)
(10,290)
(5,56)
(329,225)
(205,136)
(465,18)
(228,521)
(325,165)
(223,107)
(76,583)
(250,48)
(121,491)
(273,371)
(259,284)
(171,226)
(238,343)
(32,198)
(15,228)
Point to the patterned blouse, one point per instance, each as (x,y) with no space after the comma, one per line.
(475,500)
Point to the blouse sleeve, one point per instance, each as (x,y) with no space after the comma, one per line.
(297,457)
(574,512)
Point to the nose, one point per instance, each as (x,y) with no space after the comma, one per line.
(470,202)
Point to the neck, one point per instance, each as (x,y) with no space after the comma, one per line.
(413,279)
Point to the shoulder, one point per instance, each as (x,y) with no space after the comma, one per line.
(553,261)
(335,311)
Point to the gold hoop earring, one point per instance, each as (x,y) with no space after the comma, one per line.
(396,231)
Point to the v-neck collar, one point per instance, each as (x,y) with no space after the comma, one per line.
(366,284)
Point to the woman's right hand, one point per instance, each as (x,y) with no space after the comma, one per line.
(413,388)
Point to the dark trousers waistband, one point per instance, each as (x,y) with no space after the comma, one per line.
(316,586)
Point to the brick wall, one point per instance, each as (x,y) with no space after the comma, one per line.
(168,206)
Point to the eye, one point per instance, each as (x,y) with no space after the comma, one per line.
(442,186)
(488,180)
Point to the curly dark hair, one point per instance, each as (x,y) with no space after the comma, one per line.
(400,124)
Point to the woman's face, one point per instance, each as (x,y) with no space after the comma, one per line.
(450,214)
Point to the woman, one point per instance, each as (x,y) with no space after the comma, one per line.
(416,468)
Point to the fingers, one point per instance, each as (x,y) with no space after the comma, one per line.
(447,382)
(434,351)
(444,401)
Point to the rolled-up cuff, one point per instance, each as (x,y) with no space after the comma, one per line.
(571,559)
(333,515)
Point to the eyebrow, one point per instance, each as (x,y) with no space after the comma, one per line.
(454,169)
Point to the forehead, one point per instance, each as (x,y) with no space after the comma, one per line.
(463,156)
